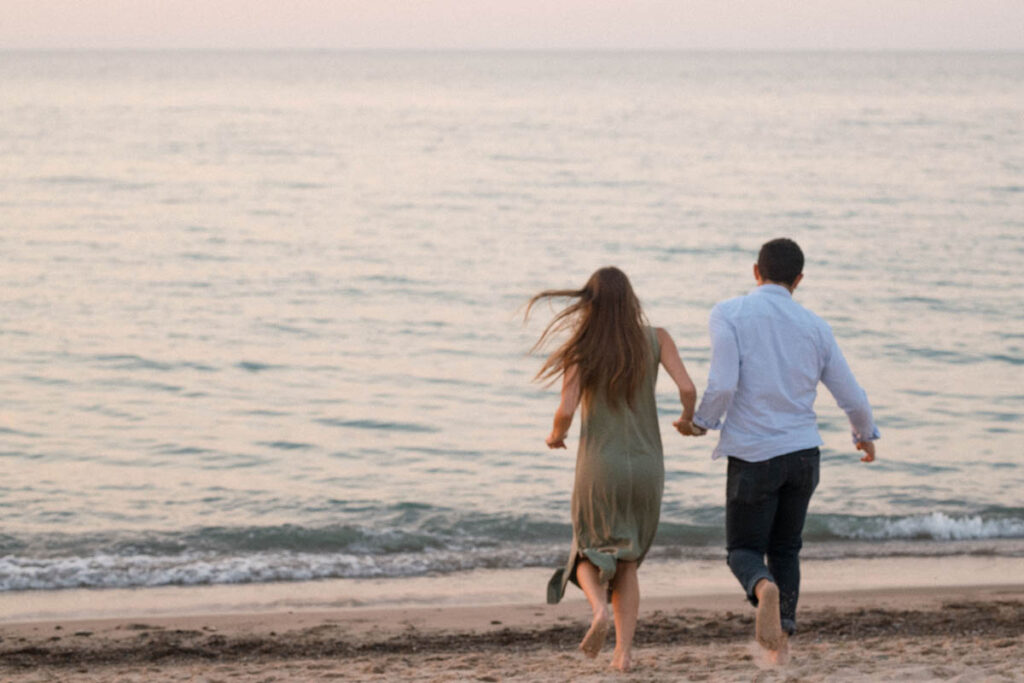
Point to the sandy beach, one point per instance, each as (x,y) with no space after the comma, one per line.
(952,633)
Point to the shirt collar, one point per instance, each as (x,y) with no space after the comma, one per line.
(776,290)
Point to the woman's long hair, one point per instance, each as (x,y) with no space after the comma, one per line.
(607,342)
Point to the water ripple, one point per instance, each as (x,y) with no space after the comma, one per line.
(378,425)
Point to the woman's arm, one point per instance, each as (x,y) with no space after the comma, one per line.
(566,409)
(673,364)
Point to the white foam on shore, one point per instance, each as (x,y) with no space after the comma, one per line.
(931,535)
(665,579)
(940,527)
(196,569)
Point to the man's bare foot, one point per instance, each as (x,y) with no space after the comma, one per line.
(768,628)
(779,657)
(594,640)
(622,661)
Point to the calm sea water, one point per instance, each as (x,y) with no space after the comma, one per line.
(262,313)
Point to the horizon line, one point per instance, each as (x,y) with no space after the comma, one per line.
(533,50)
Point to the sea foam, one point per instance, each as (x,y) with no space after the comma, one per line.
(936,526)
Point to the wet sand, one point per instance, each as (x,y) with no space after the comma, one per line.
(963,633)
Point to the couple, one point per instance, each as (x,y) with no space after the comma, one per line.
(768,354)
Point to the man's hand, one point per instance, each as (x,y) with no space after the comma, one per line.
(555,441)
(869,450)
(687,428)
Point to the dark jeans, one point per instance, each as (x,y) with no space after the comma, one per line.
(765,508)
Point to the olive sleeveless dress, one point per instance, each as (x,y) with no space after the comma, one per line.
(620,475)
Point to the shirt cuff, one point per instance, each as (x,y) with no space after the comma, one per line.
(700,423)
(874,435)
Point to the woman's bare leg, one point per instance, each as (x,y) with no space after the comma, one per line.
(597,595)
(626,601)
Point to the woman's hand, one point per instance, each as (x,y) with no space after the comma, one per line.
(555,441)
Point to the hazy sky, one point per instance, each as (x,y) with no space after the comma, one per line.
(531,24)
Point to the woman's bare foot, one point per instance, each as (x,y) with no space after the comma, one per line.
(594,640)
(622,661)
(768,628)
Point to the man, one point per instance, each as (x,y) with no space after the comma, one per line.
(768,354)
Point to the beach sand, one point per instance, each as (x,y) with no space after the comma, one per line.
(950,633)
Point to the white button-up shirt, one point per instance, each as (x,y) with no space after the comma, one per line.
(768,354)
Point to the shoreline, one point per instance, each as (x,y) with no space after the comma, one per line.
(660,579)
(919,634)
(911,632)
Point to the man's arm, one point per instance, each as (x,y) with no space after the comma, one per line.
(723,375)
(839,380)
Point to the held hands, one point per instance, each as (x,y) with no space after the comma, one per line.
(869,450)
(687,428)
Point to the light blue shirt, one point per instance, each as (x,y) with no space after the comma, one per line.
(768,354)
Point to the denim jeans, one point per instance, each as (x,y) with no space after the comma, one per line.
(765,508)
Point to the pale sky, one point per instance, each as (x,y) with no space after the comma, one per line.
(514,24)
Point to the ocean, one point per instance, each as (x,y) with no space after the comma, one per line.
(262,313)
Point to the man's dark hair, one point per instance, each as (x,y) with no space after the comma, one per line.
(780,260)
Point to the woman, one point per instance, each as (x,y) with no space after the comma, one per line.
(609,365)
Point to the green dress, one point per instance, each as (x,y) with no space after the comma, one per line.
(620,475)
